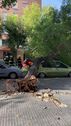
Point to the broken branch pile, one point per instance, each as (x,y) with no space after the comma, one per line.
(49,96)
(26,84)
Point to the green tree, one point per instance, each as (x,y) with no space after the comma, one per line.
(31,16)
(48,32)
(30,19)
(46,35)
(39,36)
(17,35)
(8,3)
(65,13)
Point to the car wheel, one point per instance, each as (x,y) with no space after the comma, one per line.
(69,74)
(12,75)
(41,75)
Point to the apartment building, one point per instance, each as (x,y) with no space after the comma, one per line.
(17,8)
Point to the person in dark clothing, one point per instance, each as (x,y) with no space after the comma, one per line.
(6,59)
(11,61)
(19,62)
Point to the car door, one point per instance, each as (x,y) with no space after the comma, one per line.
(62,69)
(2,70)
(48,68)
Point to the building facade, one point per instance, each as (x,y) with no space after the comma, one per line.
(17,8)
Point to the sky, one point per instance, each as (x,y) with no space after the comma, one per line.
(55,3)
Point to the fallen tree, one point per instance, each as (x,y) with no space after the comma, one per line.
(26,84)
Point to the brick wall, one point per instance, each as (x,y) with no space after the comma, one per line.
(18,8)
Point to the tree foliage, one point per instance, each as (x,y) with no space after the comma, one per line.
(7,3)
(45,36)
(31,16)
(65,16)
(17,35)
(49,32)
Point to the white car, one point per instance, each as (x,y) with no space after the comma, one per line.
(10,71)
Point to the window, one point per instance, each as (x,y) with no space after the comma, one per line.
(25,1)
(2,67)
(60,65)
(15,5)
(46,64)
(0,42)
(24,5)
(4,43)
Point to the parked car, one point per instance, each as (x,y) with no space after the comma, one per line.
(10,71)
(53,69)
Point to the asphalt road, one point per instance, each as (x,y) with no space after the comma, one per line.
(53,83)
(26,110)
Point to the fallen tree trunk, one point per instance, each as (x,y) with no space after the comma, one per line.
(26,84)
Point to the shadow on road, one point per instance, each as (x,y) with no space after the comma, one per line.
(55,83)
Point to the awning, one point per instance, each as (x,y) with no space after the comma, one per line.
(4,48)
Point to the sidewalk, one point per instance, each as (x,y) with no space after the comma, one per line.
(26,110)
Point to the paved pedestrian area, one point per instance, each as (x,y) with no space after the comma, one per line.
(26,110)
